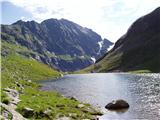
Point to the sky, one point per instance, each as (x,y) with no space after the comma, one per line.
(109,18)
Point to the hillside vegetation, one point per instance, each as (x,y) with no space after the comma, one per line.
(137,50)
(61,44)
(20,73)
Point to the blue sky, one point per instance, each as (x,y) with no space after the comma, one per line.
(12,13)
(109,18)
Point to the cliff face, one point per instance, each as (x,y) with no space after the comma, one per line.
(138,49)
(58,43)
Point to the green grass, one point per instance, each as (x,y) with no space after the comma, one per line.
(110,62)
(41,101)
(140,71)
(66,57)
(50,54)
(19,70)
(4,98)
(70,58)
(16,49)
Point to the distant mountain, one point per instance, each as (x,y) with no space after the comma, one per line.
(138,49)
(57,43)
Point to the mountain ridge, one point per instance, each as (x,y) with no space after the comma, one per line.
(138,49)
(61,44)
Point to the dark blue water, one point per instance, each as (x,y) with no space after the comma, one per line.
(141,91)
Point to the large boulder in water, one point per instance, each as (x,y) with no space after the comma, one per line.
(117,104)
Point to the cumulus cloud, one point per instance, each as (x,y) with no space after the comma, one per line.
(110,18)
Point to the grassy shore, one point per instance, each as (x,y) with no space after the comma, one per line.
(20,73)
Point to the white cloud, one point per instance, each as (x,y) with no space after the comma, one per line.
(110,18)
(25,18)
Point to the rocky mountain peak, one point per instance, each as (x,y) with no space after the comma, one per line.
(59,43)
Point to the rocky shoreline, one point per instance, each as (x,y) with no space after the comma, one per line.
(10,107)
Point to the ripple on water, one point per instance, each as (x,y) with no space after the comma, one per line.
(142,91)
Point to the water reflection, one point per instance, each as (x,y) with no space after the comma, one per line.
(142,92)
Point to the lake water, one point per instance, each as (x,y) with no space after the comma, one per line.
(141,91)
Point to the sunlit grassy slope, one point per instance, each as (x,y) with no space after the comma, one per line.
(18,70)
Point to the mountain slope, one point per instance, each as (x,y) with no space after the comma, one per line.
(58,43)
(14,64)
(138,49)
(19,75)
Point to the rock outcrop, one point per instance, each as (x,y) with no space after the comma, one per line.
(10,108)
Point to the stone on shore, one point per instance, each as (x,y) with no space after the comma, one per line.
(80,106)
(27,112)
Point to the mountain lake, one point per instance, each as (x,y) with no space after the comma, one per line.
(141,91)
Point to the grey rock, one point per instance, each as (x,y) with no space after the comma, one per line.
(47,112)
(11,92)
(73,115)
(80,105)
(64,118)
(15,114)
(117,104)
(73,98)
(92,111)
(29,81)
(27,112)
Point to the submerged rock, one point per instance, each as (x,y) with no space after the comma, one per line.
(117,104)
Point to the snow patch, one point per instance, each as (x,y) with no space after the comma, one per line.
(82,56)
(93,59)
(100,43)
(84,30)
(110,47)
